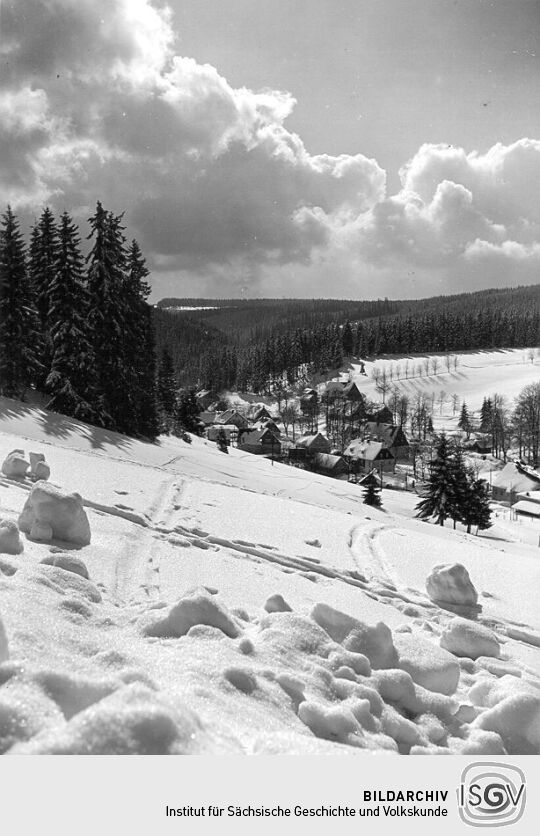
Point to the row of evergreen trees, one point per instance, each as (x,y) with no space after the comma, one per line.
(324,347)
(78,328)
(453,492)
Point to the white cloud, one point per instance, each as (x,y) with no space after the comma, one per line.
(95,103)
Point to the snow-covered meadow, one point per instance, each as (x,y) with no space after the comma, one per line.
(235,606)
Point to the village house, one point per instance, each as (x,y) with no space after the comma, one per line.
(230,430)
(205,398)
(207,418)
(260,442)
(364,456)
(309,402)
(233,416)
(314,443)
(528,504)
(392,437)
(515,478)
(352,392)
(259,412)
(330,465)
(381,415)
(478,443)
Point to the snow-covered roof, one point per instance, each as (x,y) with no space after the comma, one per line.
(515,478)
(308,440)
(530,496)
(525,507)
(361,449)
(329,461)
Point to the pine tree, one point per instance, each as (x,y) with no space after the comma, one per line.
(221,441)
(347,339)
(187,411)
(41,268)
(486,416)
(438,499)
(477,511)
(19,337)
(166,390)
(139,346)
(372,494)
(107,314)
(460,494)
(464,422)
(71,382)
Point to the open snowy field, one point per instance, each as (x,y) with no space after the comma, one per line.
(478,375)
(235,606)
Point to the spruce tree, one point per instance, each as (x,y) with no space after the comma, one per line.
(107,315)
(41,269)
(477,511)
(139,346)
(187,411)
(438,499)
(464,422)
(221,441)
(486,415)
(71,382)
(372,494)
(19,337)
(166,390)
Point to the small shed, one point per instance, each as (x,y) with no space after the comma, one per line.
(526,508)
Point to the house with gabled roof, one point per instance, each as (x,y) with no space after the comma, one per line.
(513,479)
(365,455)
(392,436)
(233,416)
(314,442)
(260,442)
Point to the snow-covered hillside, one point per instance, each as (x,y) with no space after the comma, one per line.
(235,606)
(477,375)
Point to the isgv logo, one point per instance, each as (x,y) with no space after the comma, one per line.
(491,794)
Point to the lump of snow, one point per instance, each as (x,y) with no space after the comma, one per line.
(4,652)
(375,642)
(337,624)
(68,581)
(466,638)
(132,721)
(196,607)
(276,603)
(10,542)
(42,472)
(450,586)
(330,723)
(289,631)
(15,465)
(241,678)
(517,720)
(68,562)
(24,712)
(49,512)
(429,665)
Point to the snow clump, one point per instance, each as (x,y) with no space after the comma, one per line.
(466,638)
(51,513)
(15,465)
(429,665)
(10,542)
(450,586)
(196,607)
(68,562)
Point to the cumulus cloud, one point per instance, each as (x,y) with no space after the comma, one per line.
(96,102)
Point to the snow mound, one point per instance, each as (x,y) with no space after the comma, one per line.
(196,607)
(49,512)
(42,472)
(428,665)
(517,720)
(63,581)
(466,638)
(67,562)
(15,465)
(10,542)
(4,652)
(24,712)
(277,603)
(287,632)
(132,721)
(450,586)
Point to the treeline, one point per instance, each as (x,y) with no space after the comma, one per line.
(77,328)
(250,351)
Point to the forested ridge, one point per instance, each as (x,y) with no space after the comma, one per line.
(245,344)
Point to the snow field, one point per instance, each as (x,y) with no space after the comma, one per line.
(228,605)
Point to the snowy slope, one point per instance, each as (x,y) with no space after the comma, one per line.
(478,375)
(169,648)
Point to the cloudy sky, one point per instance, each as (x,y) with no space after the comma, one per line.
(352,148)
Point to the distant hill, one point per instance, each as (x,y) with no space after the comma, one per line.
(219,342)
